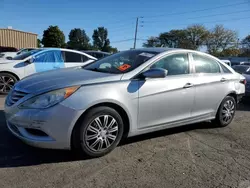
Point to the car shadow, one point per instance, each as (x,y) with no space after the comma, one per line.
(14,153)
(244,105)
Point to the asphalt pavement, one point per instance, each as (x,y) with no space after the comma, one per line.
(198,155)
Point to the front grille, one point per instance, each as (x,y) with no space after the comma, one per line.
(15,96)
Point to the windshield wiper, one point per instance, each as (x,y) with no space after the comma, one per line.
(94,69)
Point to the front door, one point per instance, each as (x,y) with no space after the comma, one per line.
(169,99)
(44,61)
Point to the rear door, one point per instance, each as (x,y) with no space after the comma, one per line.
(211,85)
(73,59)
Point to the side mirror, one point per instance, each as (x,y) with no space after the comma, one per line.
(31,60)
(9,58)
(155,73)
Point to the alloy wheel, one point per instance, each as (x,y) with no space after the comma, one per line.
(101,133)
(228,111)
(6,84)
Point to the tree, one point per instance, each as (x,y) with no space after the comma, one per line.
(175,39)
(39,45)
(53,37)
(230,52)
(246,46)
(100,39)
(196,35)
(112,50)
(220,39)
(78,40)
(152,42)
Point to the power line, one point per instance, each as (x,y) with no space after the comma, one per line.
(125,40)
(120,29)
(218,21)
(204,16)
(199,10)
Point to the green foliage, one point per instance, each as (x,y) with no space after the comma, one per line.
(220,39)
(196,35)
(246,46)
(100,39)
(39,45)
(53,37)
(152,42)
(230,52)
(78,40)
(175,39)
(191,38)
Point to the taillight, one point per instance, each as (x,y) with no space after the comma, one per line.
(243,81)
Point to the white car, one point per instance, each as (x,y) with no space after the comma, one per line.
(227,62)
(11,55)
(36,61)
(7,55)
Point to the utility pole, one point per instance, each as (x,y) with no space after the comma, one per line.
(136,28)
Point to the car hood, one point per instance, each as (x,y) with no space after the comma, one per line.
(56,79)
(6,61)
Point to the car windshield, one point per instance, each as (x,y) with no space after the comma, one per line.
(241,69)
(121,62)
(25,55)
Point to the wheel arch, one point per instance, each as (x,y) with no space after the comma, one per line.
(118,108)
(12,73)
(232,94)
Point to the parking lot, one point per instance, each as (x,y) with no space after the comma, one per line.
(197,155)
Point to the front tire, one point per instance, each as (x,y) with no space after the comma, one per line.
(7,81)
(226,111)
(100,131)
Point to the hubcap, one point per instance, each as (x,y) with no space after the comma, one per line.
(228,111)
(101,133)
(6,84)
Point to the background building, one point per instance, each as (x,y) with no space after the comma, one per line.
(17,39)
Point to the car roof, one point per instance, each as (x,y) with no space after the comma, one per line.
(157,49)
(68,50)
(100,52)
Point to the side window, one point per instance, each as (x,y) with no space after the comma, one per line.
(175,64)
(84,58)
(44,57)
(49,56)
(72,57)
(225,69)
(205,64)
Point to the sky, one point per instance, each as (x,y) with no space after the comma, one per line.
(119,16)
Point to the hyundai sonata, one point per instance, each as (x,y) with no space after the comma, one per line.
(126,94)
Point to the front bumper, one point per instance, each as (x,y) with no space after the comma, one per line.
(50,128)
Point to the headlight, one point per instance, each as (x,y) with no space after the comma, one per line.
(49,99)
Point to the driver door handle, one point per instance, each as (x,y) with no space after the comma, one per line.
(223,79)
(188,85)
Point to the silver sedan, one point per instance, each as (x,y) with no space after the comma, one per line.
(133,92)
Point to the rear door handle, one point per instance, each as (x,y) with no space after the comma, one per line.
(223,79)
(188,85)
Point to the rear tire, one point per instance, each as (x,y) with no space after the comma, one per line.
(99,132)
(7,81)
(226,112)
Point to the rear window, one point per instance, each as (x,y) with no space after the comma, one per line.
(225,69)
